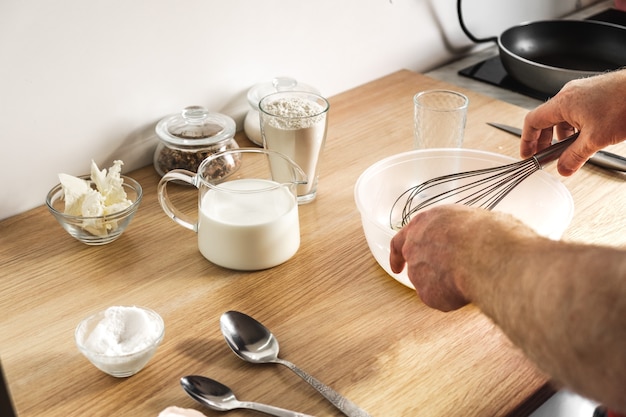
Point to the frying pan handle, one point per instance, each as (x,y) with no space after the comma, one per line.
(459,11)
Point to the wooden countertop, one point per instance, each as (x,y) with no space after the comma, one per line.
(336,313)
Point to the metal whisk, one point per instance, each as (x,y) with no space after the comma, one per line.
(484,187)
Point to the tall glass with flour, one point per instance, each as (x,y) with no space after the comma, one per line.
(294,123)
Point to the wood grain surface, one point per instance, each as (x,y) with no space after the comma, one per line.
(335,312)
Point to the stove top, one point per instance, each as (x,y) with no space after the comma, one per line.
(492,71)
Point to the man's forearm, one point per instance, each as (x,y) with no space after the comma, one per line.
(565,306)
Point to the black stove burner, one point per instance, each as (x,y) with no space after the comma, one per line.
(492,71)
(614,16)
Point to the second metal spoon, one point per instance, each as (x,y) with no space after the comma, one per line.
(217,396)
(253,342)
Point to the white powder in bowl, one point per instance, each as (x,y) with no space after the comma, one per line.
(120,340)
(123,330)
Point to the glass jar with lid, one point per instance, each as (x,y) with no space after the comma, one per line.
(188,137)
(252,123)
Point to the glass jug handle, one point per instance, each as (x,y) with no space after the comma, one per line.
(166,204)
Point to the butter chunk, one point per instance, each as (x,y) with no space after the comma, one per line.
(75,190)
(108,197)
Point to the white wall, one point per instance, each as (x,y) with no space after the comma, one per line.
(83,79)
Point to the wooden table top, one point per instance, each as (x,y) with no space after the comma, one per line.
(336,313)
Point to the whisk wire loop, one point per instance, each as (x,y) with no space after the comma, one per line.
(483,188)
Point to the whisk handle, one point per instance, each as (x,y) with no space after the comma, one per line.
(552,153)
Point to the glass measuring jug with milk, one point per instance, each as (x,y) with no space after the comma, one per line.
(247,207)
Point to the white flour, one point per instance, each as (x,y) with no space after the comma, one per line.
(294,113)
(296,127)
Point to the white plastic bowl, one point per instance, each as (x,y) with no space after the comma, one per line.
(541,201)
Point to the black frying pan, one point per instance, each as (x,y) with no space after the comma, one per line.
(544,55)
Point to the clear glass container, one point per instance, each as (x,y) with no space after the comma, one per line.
(189,137)
(252,124)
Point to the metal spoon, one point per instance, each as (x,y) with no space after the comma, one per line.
(253,342)
(218,396)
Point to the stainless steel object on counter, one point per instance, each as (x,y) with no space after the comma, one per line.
(253,342)
(602,159)
(483,188)
(217,396)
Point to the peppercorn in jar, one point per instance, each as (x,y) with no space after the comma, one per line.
(188,137)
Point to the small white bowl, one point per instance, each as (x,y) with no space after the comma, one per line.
(541,201)
(120,340)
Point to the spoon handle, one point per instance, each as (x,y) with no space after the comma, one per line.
(271,410)
(346,406)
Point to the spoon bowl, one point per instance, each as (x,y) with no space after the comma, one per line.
(249,339)
(217,396)
(209,392)
(253,342)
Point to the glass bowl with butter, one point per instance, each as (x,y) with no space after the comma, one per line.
(120,340)
(95,209)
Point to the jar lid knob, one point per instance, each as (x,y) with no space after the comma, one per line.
(284,83)
(195,114)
